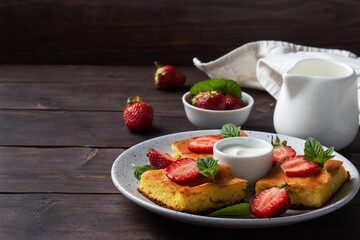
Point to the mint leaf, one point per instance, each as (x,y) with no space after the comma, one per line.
(230,130)
(225,86)
(314,151)
(231,211)
(139,170)
(208,167)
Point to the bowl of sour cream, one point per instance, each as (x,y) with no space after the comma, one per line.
(249,158)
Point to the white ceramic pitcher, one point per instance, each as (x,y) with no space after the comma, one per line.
(319,99)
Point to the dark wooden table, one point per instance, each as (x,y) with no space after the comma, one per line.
(61,130)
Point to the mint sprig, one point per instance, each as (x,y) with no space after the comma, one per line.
(314,151)
(231,211)
(139,170)
(208,167)
(225,86)
(230,130)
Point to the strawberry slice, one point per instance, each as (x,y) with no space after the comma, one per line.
(183,170)
(281,151)
(297,166)
(159,160)
(203,144)
(270,203)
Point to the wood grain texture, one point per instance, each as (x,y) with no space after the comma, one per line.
(82,88)
(139,32)
(88,102)
(59,170)
(86,216)
(94,129)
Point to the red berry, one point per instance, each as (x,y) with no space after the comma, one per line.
(203,144)
(183,170)
(270,203)
(233,102)
(297,166)
(281,151)
(159,160)
(211,100)
(168,77)
(138,115)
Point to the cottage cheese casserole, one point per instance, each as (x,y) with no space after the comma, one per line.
(312,191)
(202,196)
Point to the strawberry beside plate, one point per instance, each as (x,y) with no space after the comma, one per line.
(124,180)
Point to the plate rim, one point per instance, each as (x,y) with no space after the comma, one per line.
(231,222)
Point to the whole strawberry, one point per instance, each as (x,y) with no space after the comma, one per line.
(168,77)
(212,100)
(138,115)
(233,102)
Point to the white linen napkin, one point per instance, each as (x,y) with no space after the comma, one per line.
(260,65)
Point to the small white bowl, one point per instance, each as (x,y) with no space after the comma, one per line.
(215,119)
(249,166)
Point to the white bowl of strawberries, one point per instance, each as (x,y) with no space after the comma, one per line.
(212,103)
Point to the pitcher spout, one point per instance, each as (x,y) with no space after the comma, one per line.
(293,85)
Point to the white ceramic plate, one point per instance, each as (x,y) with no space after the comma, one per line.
(124,180)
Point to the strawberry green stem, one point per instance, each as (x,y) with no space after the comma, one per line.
(157,65)
(130,101)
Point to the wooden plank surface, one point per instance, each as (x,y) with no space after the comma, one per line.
(61,130)
(59,170)
(139,32)
(88,216)
(86,87)
(33,102)
(95,129)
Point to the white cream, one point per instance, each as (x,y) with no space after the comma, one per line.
(240,150)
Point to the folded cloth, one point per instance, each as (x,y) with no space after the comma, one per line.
(261,64)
